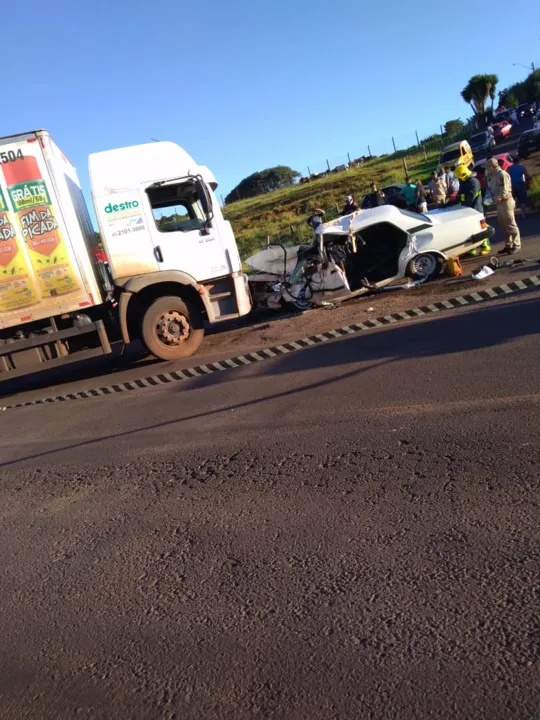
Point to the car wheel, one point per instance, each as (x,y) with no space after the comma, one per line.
(301,302)
(425,266)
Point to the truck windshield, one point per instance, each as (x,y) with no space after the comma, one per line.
(176,207)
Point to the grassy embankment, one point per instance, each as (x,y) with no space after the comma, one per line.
(272,214)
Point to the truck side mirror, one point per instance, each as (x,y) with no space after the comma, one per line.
(206,200)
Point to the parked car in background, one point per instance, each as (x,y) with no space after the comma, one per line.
(502,130)
(458,152)
(482,141)
(504,160)
(391,193)
(529,142)
(524,109)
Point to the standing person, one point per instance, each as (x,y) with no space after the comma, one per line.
(520,179)
(408,191)
(442,177)
(452,190)
(437,189)
(470,195)
(449,178)
(500,187)
(514,118)
(316,218)
(350,206)
(421,202)
(375,198)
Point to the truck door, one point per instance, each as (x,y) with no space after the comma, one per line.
(183,234)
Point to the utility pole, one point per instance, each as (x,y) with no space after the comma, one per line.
(405,167)
(369,151)
(394,144)
(417,140)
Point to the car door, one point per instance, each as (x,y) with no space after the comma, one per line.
(183,236)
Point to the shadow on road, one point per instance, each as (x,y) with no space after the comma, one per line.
(463,333)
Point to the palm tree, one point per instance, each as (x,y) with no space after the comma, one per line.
(478,90)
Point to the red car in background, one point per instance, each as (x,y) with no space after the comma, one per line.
(504,160)
(501,130)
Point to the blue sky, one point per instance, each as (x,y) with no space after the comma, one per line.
(247,85)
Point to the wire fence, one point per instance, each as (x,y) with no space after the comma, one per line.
(403,145)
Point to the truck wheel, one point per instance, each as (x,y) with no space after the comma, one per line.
(171,329)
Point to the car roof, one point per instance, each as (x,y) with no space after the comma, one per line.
(363,218)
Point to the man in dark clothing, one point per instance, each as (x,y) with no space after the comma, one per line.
(350,206)
(316,218)
(373,199)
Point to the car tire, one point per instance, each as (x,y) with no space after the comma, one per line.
(171,329)
(425,266)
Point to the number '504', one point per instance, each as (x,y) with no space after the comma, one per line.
(10,156)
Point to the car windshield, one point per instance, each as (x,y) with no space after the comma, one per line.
(450,155)
(480,137)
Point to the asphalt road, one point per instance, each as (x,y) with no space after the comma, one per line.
(350,531)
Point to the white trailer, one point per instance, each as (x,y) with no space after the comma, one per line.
(171,266)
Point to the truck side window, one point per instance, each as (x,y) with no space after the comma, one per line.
(176,208)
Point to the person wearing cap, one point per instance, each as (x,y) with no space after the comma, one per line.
(350,205)
(470,195)
(500,186)
(375,198)
(520,179)
(316,218)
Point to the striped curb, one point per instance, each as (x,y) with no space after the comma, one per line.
(288,347)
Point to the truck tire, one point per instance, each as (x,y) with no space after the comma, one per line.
(172,329)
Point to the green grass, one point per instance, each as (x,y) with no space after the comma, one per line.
(273,214)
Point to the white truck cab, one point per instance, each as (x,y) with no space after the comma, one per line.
(165,237)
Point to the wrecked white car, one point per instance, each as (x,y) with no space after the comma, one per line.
(363,252)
